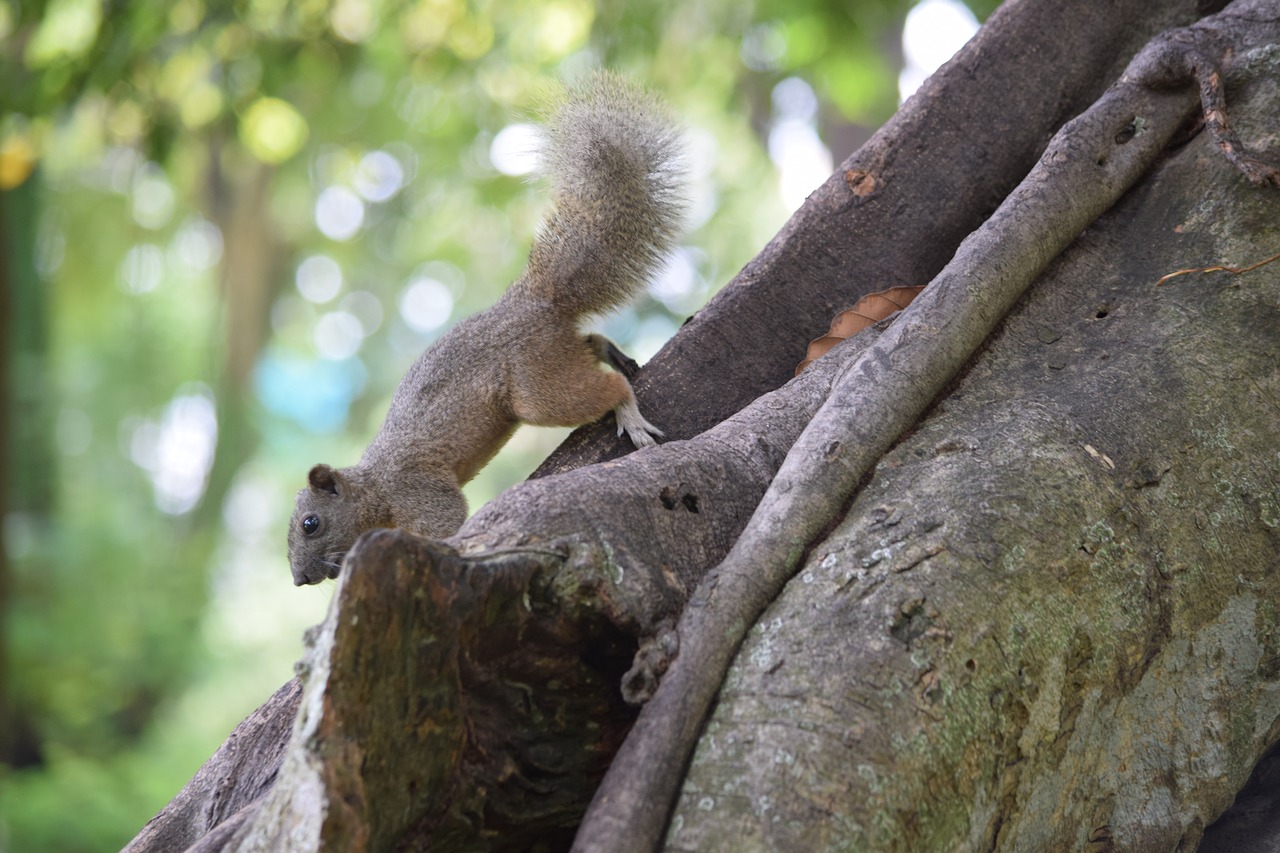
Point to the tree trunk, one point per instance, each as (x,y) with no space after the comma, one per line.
(7,447)
(27,455)
(248,276)
(1048,616)
(1043,621)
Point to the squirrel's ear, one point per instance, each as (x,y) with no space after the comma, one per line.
(323,479)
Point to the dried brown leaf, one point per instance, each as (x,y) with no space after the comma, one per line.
(871,308)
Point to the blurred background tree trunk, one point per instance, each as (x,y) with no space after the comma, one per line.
(26,442)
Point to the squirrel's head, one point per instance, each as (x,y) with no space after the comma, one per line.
(326,522)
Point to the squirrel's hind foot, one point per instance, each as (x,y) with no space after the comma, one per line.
(640,431)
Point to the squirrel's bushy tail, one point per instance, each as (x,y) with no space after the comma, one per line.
(614,162)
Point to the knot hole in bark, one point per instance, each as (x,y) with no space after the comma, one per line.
(912,621)
(673,498)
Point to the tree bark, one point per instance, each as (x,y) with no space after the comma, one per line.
(1043,621)
(226,790)
(1048,612)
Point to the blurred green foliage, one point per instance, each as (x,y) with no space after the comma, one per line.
(178,357)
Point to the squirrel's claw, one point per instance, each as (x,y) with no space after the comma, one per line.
(640,431)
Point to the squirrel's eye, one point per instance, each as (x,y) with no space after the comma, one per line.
(311,524)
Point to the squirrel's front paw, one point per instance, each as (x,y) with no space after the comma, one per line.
(640,431)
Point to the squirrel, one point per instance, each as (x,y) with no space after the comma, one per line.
(614,164)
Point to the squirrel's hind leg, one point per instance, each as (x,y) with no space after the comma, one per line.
(575,391)
(640,431)
(630,421)
(608,352)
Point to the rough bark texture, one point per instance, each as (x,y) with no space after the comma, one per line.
(1078,540)
(478,712)
(1048,618)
